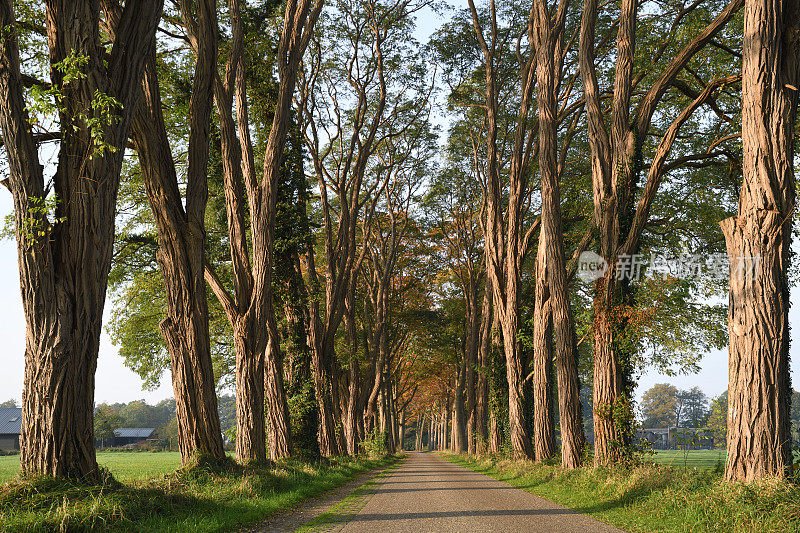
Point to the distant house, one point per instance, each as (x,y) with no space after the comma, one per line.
(10,428)
(127,436)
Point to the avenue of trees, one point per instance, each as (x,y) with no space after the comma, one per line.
(377,241)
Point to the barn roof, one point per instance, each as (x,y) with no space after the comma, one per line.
(134,432)
(10,420)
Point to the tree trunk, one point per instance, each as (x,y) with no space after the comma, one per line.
(420,432)
(548,36)
(181,252)
(250,429)
(250,310)
(401,431)
(544,438)
(64,266)
(758,241)
(322,388)
(518,432)
(444,423)
(481,415)
(279,428)
(459,419)
(470,361)
(495,434)
(354,385)
(608,389)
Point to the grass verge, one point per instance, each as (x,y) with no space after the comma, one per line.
(652,497)
(200,499)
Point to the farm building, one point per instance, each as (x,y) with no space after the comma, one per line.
(10,428)
(127,436)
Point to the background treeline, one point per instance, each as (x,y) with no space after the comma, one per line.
(161,417)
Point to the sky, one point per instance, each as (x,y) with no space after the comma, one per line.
(116,383)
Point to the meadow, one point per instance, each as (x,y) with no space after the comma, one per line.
(124,466)
(689,459)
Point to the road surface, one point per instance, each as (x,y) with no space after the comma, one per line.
(428,494)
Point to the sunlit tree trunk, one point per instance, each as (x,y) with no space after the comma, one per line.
(181,257)
(250,309)
(544,438)
(551,263)
(616,148)
(459,436)
(759,240)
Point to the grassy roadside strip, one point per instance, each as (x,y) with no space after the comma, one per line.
(198,500)
(652,497)
(350,506)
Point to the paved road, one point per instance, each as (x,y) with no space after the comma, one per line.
(428,494)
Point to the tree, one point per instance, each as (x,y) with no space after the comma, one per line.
(505,239)
(718,419)
(106,420)
(250,306)
(659,407)
(181,235)
(548,40)
(9,403)
(65,228)
(759,391)
(694,411)
(617,154)
(356,100)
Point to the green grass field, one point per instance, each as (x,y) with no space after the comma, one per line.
(125,466)
(689,459)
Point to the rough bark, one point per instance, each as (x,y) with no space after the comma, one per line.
(459,444)
(354,408)
(181,257)
(505,242)
(544,433)
(279,429)
(548,41)
(758,241)
(470,359)
(250,429)
(401,430)
(481,411)
(64,266)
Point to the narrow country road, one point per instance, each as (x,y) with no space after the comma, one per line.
(428,494)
